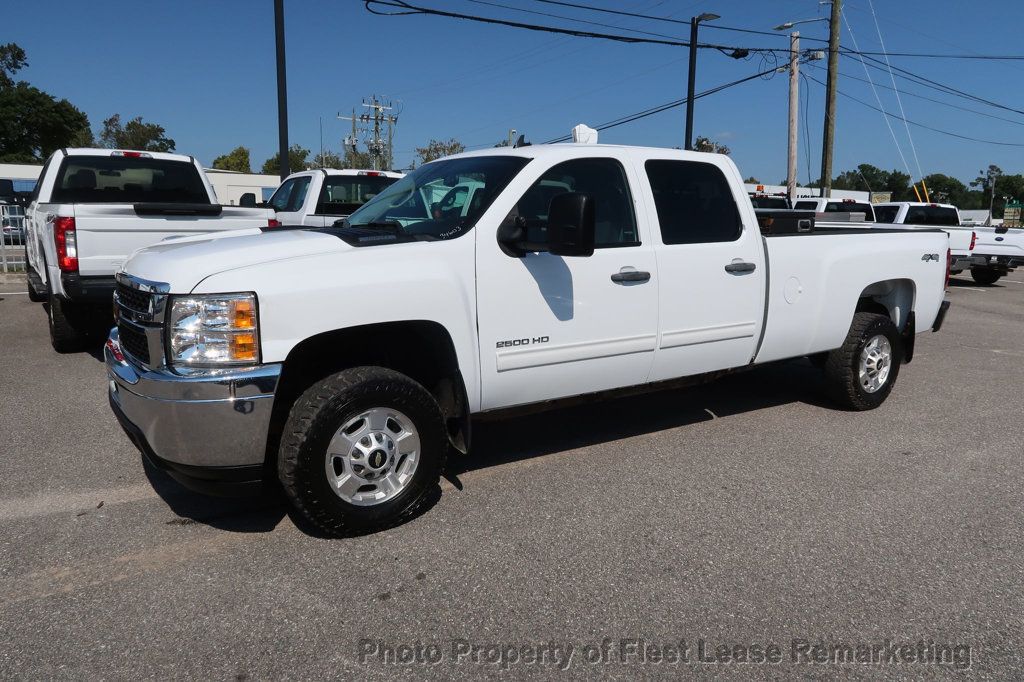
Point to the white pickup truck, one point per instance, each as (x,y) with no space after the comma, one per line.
(833,206)
(91,208)
(914,215)
(347,361)
(320,197)
(997,251)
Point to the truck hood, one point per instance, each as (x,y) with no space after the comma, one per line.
(183,263)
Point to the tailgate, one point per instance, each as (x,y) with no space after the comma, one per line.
(108,233)
(993,242)
(959,240)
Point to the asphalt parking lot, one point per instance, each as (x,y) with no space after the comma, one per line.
(746,512)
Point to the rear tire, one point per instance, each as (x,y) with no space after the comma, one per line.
(861,373)
(66,325)
(985,276)
(362,450)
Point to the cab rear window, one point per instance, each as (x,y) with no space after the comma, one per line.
(132,180)
(932,215)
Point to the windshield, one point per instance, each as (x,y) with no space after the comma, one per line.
(440,200)
(343,194)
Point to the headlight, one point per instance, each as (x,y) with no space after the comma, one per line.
(212,330)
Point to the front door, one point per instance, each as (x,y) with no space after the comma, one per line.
(553,326)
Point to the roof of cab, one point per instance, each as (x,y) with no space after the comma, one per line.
(571,149)
(91,151)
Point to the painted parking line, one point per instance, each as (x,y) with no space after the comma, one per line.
(13,293)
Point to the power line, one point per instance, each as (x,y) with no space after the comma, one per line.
(778,35)
(924,97)
(581,21)
(408,9)
(878,99)
(921,80)
(922,125)
(686,22)
(629,118)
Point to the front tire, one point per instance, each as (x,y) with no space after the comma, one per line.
(985,276)
(67,333)
(362,450)
(861,373)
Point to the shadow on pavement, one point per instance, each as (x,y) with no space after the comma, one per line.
(971,284)
(535,435)
(259,514)
(518,438)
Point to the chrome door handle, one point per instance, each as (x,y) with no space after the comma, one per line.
(740,266)
(630,274)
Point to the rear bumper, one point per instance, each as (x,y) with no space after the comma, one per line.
(1005,263)
(88,289)
(940,318)
(960,262)
(208,431)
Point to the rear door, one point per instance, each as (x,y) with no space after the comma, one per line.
(711,270)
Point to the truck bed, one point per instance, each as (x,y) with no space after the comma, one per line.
(815,280)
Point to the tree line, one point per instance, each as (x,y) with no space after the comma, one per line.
(942,188)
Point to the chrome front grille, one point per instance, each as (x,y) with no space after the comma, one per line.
(140,318)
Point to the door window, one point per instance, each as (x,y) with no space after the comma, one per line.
(604,180)
(694,202)
(289,197)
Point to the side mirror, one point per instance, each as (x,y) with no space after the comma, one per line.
(248,199)
(571,224)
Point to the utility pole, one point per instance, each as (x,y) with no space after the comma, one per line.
(692,75)
(992,199)
(350,142)
(282,91)
(376,115)
(794,106)
(830,98)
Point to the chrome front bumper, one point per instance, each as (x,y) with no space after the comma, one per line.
(197,423)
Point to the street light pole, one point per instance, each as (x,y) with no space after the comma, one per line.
(794,104)
(282,91)
(692,76)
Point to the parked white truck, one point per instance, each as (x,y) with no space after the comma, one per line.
(346,361)
(912,215)
(320,197)
(91,208)
(997,252)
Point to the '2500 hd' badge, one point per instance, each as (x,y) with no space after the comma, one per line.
(522,342)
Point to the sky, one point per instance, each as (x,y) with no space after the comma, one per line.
(206,72)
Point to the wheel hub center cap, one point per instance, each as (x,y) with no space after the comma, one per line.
(377,459)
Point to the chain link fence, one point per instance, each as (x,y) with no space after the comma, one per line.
(12,243)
